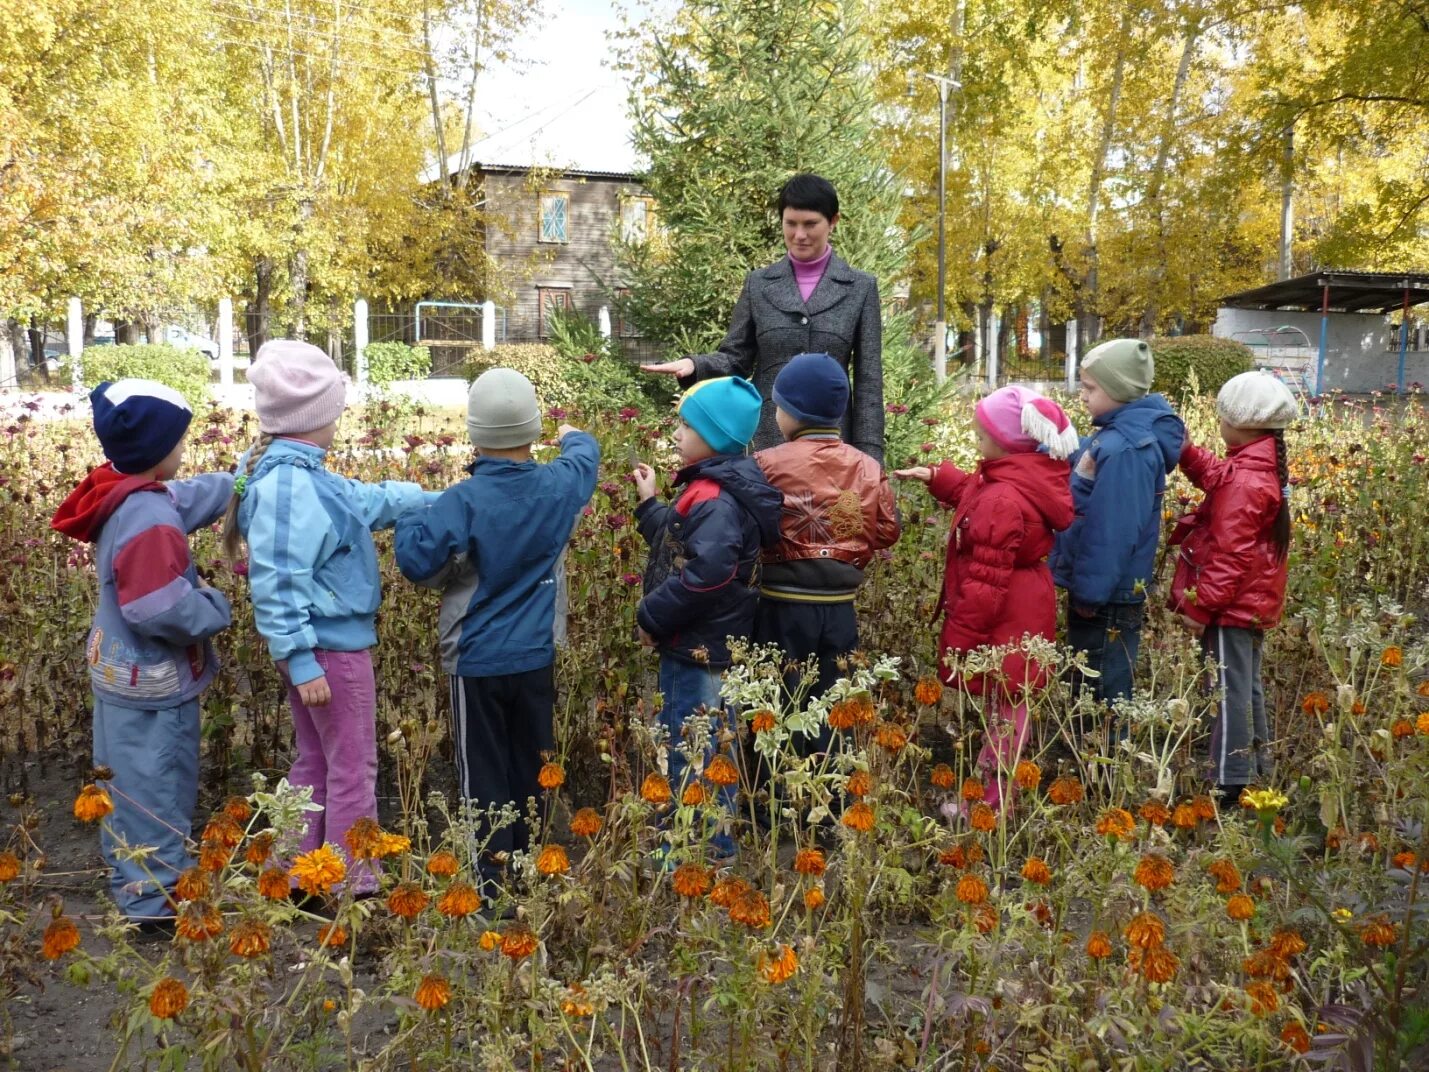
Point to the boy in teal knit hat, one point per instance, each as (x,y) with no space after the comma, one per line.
(704,552)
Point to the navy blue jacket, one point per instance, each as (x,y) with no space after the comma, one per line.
(512,521)
(1108,554)
(701,583)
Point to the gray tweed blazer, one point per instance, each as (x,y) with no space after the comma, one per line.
(772,323)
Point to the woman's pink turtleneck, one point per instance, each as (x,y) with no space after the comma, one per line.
(808,273)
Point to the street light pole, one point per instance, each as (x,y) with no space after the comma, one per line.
(940,326)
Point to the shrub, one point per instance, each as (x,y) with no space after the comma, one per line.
(186,371)
(592,380)
(1213,361)
(389,361)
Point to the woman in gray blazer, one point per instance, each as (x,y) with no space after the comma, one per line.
(808,302)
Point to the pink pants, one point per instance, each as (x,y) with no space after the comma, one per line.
(337,756)
(1006,736)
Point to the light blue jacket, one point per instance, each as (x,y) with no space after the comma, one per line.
(312,567)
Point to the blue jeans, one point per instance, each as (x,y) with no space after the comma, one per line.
(686,689)
(1111,637)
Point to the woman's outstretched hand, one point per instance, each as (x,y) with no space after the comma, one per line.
(918,472)
(681,368)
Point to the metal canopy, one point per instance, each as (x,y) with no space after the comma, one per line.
(1349,292)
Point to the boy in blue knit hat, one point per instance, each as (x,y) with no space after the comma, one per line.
(149,653)
(704,554)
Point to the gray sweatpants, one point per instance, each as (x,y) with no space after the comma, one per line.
(1240,731)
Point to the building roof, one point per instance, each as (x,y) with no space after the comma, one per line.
(1350,292)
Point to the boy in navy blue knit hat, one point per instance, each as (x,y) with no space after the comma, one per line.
(704,552)
(838,511)
(149,653)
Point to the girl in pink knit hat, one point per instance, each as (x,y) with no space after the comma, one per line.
(997,587)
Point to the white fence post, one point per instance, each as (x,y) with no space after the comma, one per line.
(488,325)
(993,357)
(225,342)
(74,336)
(1071,355)
(978,341)
(603,319)
(359,340)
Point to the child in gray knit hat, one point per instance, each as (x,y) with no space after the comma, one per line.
(495,542)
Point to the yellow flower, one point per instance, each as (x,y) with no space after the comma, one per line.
(168,998)
(1264,799)
(1344,915)
(318,871)
(780,967)
(489,940)
(1421,724)
(91,804)
(575,1002)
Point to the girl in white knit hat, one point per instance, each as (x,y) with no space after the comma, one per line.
(312,569)
(1231,566)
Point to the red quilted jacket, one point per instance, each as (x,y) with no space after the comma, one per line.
(1227,568)
(997,587)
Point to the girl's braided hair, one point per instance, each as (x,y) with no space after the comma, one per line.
(232,538)
(1280,531)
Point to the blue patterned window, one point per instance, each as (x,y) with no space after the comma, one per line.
(555,211)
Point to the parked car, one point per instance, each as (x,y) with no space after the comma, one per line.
(176,335)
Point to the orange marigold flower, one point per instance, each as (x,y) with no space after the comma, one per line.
(222,830)
(985,918)
(392,845)
(551,776)
(813,897)
(1027,775)
(1294,1035)
(1335,838)
(1379,932)
(720,771)
(1421,724)
(691,880)
(891,737)
(238,809)
(575,1003)
(251,938)
(694,795)
(1116,823)
(1155,813)
(1154,872)
(407,901)
(1065,790)
(1184,817)
(971,790)
(519,941)
(362,838)
(942,777)
(433,993)
(841,716)
(1036,870)
(1422,689)
(1404,860)
(1263,998)
(953,857)
(1357,708)
(1392,656)
(1266,965)
(332,936)
(489,940)
(859,817)
(751,909)
(1315,703)
(60,937)
(1145,931)
(655,789)
(810,862)
(213,857)
(1205,808)
(553,861)
(1402,728)
(460,900)
(443,865)
(971,890)
(168,998)
(193,885)
(318,871)
(859,784)
(1099,945)
(762,721)
(273,884)
(1239,907)
(982,818)
(259,849)
(1226,875)
(780,967)
(728,890)
(1287,943)
(928,691)
(92,803)
(1155,965)
(198,921)
(9,867)
(586,823)
(1368,842)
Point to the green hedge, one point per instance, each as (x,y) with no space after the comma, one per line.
(186,371)
(1197,364)
(596,380)
(388,361)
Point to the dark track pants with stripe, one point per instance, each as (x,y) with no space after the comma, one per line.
(1240,732)
(500,726)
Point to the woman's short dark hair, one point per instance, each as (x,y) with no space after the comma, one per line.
(811,193)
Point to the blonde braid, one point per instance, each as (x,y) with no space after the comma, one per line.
(232,538)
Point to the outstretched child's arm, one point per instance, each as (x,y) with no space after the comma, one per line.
(201,500)
(579,461)
(380,505)
(427,540)
(282,554)
(156,597)
(1203,468)
(886,526)
(946,481)
(711,565)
